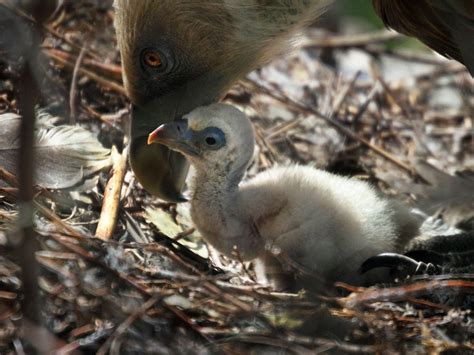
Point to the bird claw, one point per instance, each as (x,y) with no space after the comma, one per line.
(426,269)
(398,263)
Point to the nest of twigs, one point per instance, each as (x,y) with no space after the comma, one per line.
(151,285)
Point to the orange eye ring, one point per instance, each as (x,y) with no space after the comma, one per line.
(152,59)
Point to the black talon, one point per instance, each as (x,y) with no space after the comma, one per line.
(398,263)
(392,261)
(426,269)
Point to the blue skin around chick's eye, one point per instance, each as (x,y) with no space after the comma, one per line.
(212,138)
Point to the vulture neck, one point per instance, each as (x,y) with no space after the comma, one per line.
(216,214)
(218,184)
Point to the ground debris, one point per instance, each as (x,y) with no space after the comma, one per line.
(155,287)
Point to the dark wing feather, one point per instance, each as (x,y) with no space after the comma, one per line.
(445,26)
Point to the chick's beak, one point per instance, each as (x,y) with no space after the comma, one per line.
(154,137)
(176,136)
(167,133)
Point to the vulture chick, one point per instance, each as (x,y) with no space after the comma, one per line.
(292,219)
(179,54)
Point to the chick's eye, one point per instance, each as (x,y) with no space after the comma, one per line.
(211,140)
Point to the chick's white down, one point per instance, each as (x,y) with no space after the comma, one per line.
(294,220)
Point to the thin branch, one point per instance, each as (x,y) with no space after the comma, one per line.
(109,84)
(396,294)
(73,94)
(359,40)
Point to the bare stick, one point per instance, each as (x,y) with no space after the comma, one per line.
(360,40)
(111,202)
(396,294)
(42,339)
(26,244)
(122,328)
(73,95)
(109,84)
(8,177)
(108,69)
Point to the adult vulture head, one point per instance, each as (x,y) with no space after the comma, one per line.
(180,54)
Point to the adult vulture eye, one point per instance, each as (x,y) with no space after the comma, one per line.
(155,60)
(152,59)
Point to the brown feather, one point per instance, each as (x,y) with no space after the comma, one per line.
(445,26)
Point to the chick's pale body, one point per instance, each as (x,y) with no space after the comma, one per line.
(294,219)
(324,223)
(328,223)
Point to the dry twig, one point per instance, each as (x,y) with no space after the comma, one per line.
(111,202)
